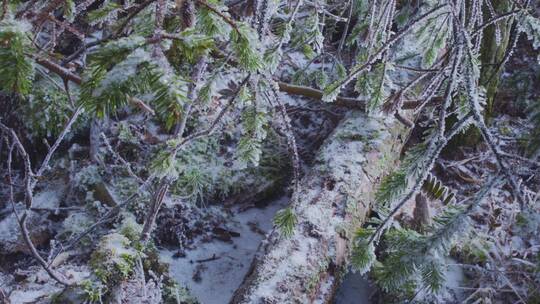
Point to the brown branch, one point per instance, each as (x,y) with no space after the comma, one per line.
(130,16)
(35,253)
(58,70)
(67,128)
(28,199)
(120,159)
(347,102)
(220,14)
(141,105)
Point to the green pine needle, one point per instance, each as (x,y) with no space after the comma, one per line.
(286,220)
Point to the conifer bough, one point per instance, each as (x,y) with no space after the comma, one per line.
(168,58)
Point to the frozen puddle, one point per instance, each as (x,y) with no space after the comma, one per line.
(355,289)
(221,266)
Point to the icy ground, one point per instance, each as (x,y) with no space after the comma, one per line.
(228,262)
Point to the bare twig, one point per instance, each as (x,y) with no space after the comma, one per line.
(346,29)
(120,159)
(65,131)
(22,219)
(291,141)
(520,158)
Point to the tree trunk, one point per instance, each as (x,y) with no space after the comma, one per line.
(333,201)
(492,52)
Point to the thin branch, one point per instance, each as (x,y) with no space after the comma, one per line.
(479,30)
(288,134)
(120,159)
(480,123)
(130,16)
(214,124)
(346,30)
(386,46)
(28,200)
(419,181)
(65,131)
(35,253)
(58,69)
(520,158)
(220,14)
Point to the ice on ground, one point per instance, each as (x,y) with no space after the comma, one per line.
(354,287)
(221,277)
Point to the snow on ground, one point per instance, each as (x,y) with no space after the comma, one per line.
(219,278)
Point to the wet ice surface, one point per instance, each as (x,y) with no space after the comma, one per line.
(221,277)
(355,289)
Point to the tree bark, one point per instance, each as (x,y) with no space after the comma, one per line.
(492,53)
(333,201)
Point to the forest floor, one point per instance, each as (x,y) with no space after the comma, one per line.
(210,248)
(220,240)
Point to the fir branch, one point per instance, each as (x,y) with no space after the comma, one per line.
(431,157)
(479,119)
(410,253)
(16,71)
(332,91)
(164,183)
(434,148)
(220,14)
(286,220)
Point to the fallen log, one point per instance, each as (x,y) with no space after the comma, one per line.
(333,201)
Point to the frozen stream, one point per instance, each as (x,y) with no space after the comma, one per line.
(219,278)
(228,263)
(355,289)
